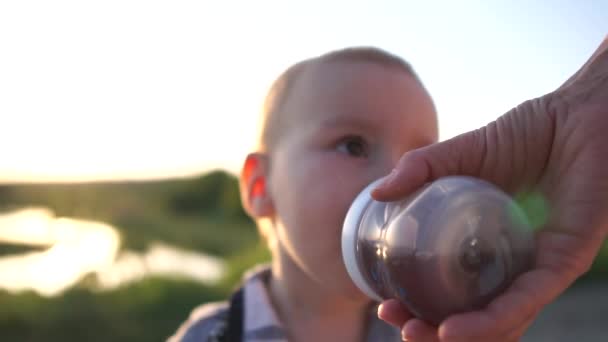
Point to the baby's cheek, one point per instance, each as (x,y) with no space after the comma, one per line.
(328,206)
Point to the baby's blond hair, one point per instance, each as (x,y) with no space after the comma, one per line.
(280,90)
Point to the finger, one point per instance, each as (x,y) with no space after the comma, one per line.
(527,295)
(460,155)
(416,330)
(516,334)
(510,153)
(394,313)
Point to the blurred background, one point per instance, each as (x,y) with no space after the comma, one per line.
(124,124)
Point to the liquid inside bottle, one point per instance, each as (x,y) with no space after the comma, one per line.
(451,247)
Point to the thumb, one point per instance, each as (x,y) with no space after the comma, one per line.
(461,155)
(511,152)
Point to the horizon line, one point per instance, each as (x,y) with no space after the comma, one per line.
(118,178)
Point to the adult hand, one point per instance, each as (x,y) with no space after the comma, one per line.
(555,146)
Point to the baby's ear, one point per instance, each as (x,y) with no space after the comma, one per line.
(255,196)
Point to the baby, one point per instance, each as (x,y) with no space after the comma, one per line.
(330,125)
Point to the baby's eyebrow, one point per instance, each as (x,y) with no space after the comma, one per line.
(347,121)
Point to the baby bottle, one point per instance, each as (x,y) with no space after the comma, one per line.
(450,247)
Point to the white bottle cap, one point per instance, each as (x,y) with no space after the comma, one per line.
(350,231)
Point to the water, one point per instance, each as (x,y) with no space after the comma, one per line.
(80,247)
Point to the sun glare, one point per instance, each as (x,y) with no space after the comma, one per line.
(77,248)
(80,247)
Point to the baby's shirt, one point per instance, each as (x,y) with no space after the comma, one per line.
(260,321)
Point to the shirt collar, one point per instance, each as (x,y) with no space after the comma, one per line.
(261,322)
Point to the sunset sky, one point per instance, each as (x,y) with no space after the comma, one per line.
(94,90)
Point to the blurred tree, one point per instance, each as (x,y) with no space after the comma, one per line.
(6,195)
(215,194)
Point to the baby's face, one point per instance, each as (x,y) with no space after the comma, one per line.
(347,124)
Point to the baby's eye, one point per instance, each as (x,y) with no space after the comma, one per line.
(353,146)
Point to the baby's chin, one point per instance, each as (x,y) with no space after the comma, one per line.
(335,279)
(357,295)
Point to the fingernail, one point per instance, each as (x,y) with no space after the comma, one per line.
(403,336)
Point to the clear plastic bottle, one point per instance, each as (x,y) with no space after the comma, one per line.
(450,247)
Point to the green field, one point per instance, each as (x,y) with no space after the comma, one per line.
(199,214)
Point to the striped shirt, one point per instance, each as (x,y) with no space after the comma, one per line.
(260,320)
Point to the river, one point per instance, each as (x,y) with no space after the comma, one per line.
(79,247)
